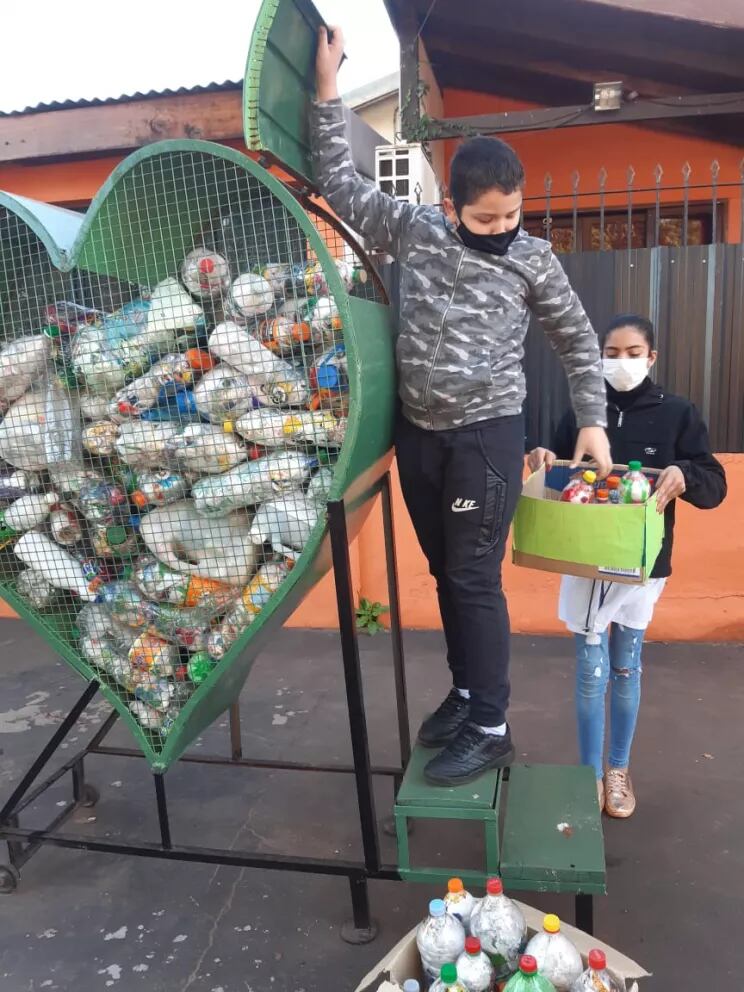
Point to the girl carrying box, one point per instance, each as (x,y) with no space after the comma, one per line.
(608,619)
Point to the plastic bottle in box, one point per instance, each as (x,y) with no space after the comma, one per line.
(440,939)
(596,978)
(634,486)
(612,482)
(528,978)
(459,902)
(501,928)
(474,969)
(143,393)
(449,980)
(282,334)
(15,483)
(580,489)
(557,958)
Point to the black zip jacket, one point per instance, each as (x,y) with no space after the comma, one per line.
(657,429)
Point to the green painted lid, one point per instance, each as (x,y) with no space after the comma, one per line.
(280,84)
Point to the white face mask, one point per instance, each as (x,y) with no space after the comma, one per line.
(624,374)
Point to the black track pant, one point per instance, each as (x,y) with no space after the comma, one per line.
(461,488)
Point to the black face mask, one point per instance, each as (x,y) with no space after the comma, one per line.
(493,244)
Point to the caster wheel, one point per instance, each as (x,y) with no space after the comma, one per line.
(9,879)
(90,796)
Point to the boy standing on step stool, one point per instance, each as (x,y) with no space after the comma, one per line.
(468,280)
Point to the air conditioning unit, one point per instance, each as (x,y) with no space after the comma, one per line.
(404,171)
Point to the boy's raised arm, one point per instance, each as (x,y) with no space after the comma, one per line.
(359,203)
(556,305)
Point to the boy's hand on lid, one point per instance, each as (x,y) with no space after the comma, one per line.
(328,58)
(539,457)
(670,484)
(594,444)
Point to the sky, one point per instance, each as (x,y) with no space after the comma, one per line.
(81,49)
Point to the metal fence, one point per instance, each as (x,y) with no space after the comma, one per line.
(695,297)
(623,208)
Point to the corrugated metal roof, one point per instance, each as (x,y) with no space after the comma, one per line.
(40,108)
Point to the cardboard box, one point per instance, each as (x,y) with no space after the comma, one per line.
(614,543)
(403,961)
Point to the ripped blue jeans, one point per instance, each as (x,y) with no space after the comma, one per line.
(616,661)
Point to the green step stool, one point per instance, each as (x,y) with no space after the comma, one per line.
(417,799)
(552,832)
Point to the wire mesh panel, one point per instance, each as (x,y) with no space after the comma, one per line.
(179,405)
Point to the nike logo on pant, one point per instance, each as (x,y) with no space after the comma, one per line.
(462,505)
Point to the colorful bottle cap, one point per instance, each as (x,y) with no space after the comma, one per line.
(116,535)
(199,666)
(494,886)
(135,520)
(411,985)
(603,494)
(448,974)
(228,426)
(206,265)
(327,377)
(551,923)
(635,466)
(597,959)
(51,331)
(437,907)
(455,885)
(139,498)
(590,477)
(528,965)
(613,481)
(472,945)
(199,360)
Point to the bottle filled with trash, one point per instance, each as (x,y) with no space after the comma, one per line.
(474,968)
(499,924)
(440,939)
(557,958)
(528,978)
(596,978)
(449,980)
(459,902)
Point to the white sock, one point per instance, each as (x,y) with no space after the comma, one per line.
(494,731)
(465,693)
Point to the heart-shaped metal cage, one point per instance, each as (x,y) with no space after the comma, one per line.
(187,374)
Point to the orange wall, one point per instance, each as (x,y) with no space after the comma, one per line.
(704,599)
(614,147)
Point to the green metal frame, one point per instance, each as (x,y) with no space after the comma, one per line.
(279,83)
(106,243)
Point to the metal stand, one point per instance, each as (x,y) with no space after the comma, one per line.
(23,843)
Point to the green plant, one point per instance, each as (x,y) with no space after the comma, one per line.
(368,615)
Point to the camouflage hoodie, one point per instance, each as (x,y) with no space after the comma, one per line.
(463,313)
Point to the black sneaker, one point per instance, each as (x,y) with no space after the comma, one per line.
(470,754)
(446,722)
